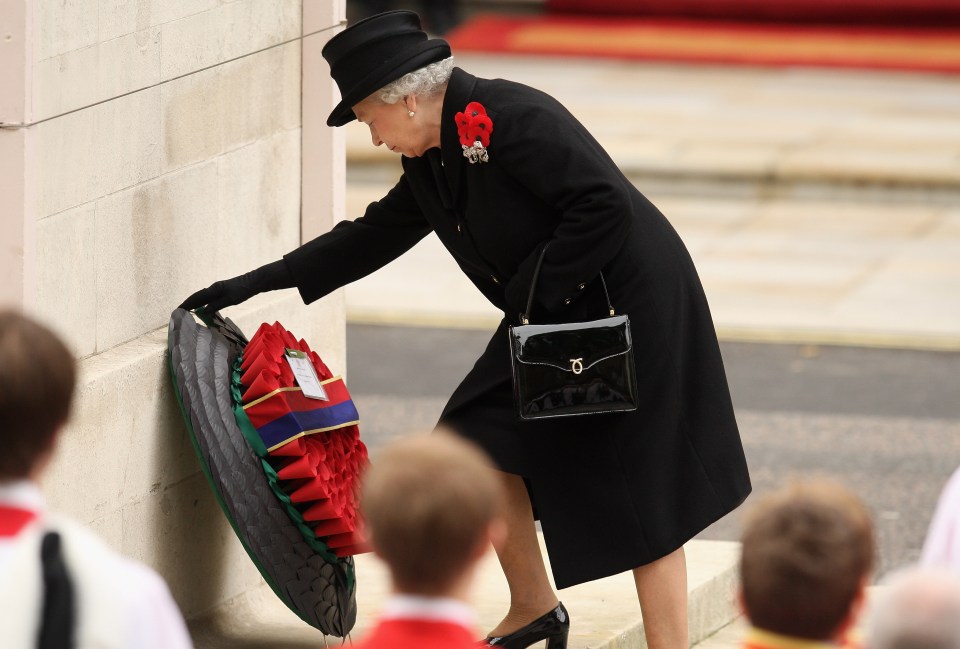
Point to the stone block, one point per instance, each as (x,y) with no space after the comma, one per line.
(713,597)
(922,288)
(121,17)
(259,202)
(182,533)
(320,15)
(758,244)
(873,164)
(396,293)
(226,32)
(17,253)
(723,160)
(16,71)
(222,109)
(66,277)
(257,619)
(126,439)
(848,221)
(191,119)
(770,274)
(249,213)
(165,11)
(948,226)
(322,147)
(692,215)
(928,129)
(261,95)
(110,529)
(729,637)
(65,26)
(98,151)
(150,241)
(97,73)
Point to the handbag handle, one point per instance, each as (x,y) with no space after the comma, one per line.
(533,285)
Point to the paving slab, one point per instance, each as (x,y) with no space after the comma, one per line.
(774,270)
(819,205)
(604,614)
(766,125)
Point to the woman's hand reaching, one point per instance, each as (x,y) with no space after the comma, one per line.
(228,292)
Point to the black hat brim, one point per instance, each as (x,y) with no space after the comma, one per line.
(409,60)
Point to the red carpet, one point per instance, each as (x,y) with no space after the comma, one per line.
(702,41)
(897,13)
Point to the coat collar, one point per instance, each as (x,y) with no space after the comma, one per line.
(460,92)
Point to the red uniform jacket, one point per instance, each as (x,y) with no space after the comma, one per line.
(417,634)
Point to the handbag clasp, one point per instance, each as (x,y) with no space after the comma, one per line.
(576,364)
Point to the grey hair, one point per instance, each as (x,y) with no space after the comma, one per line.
(425,82)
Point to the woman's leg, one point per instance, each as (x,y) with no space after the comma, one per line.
(662,590)
(531,594)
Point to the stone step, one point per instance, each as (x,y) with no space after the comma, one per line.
(738,131)
(604,613)
(732,634)
(775,270)
(728,637)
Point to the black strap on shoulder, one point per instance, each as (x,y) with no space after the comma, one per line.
(59,609)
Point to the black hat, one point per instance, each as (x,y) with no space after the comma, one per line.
(371,53)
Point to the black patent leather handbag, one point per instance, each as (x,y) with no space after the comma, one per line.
(575,368)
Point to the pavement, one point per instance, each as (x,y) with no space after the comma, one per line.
(604,614)
(820,206)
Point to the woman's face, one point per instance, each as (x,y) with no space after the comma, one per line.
(392,126)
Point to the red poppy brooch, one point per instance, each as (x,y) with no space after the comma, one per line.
(474,127)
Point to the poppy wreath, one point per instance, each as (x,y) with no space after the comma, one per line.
(304,561)
(310,449)
(474,127)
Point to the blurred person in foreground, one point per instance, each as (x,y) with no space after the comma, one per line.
(501,173)
(807,555)
(432,508)
(60,586)
(941,547)
(916,609)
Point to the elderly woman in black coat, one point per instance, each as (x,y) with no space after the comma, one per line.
(613,492)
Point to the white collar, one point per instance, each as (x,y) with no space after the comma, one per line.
(437,609)
(23,494)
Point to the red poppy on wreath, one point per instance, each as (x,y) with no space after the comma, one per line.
(474,127)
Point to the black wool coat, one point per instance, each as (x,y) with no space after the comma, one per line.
(612,491)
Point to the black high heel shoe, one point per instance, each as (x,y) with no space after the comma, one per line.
(554,627)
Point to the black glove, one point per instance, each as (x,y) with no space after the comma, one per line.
(228,292)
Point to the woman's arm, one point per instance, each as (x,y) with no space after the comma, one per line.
(351,250)
(354,249)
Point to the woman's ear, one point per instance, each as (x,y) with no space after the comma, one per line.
(410,101)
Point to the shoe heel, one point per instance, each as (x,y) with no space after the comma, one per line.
(557,641)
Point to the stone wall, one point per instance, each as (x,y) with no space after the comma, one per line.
(150,148)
